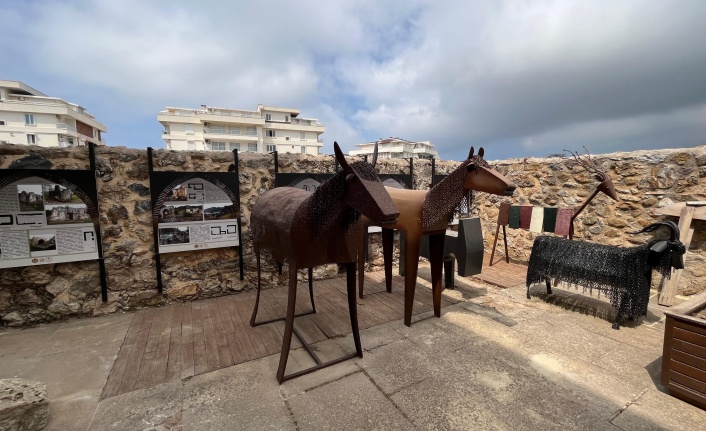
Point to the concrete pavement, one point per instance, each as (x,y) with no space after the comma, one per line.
(494,361)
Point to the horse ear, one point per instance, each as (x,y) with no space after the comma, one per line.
(470,153)
(339,156)
(481,152)
(375,154)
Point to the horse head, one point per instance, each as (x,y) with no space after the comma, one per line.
(364,190)
(481,177)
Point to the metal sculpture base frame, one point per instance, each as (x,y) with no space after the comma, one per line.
(289,328)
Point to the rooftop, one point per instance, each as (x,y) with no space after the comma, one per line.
(494,360)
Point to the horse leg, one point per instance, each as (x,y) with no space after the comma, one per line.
(311,289)
(361,262)
(279,268)
(353,306)
(289,322)
(257,296)
(387,244)
(549,286)
(411,260)
(436,257)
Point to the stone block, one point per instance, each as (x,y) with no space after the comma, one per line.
(23,405)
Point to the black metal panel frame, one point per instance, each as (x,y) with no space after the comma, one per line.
(160,181)
(84,184)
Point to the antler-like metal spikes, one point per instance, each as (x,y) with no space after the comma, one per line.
(585,162)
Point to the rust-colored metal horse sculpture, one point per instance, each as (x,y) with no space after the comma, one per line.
(311,229)
(428,212)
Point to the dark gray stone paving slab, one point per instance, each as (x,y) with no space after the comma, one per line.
(608,391)
(325,350)
(74,381)
(493,389)
(658,411)
(25,343)
(160,405)
(397,365)
(244,397)
(81,333)
(351,403)
(568,336)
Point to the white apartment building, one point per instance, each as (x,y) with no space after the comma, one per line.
(30,117)
(264,130)
(396,148)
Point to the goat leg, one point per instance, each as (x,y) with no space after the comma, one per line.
(621,310)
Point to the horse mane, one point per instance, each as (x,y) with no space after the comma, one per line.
(444,198)
(324,205)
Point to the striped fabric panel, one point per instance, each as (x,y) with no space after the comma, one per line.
(549,219)
(537,219)
(514,219)
(525,216)
(504,214)
(563,221)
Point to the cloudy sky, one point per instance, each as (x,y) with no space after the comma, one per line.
(521,78)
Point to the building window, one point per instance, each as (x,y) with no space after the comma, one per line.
(271,148)
(189,129)
(95,134)
(29,119)
(252,131)
(234,130)
(302,136)
(234,146)
(218,129)
(252,147)
(190,145)
(303,149)
(286,118)
(31,139)
(2,122)
(218,146)
(270,133)
(268,117)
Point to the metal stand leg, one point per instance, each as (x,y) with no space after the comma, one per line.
(353,307)
(387,245)
(311,289)
(410,278)
(436,255)
(289,328)
(362,252)
(257,296)
(289,322)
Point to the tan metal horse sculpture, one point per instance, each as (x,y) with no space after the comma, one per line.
(312,229)
(428,212)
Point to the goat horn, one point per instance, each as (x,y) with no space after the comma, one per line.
(654,226)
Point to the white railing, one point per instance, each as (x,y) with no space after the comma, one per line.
(228,113)
(213,131)
(66,126)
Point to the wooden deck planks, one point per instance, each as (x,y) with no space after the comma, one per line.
(187,339)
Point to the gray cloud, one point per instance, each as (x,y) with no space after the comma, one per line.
(521,78)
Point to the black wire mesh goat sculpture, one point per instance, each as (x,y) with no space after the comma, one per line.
(624,274)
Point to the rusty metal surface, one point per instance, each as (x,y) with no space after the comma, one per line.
(311,229)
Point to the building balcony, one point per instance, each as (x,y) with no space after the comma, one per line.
(221,131)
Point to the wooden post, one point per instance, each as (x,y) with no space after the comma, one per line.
(669,286)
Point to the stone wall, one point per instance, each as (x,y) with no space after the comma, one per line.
(644,180)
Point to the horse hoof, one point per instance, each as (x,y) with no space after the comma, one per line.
(528,296)
(616,326)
